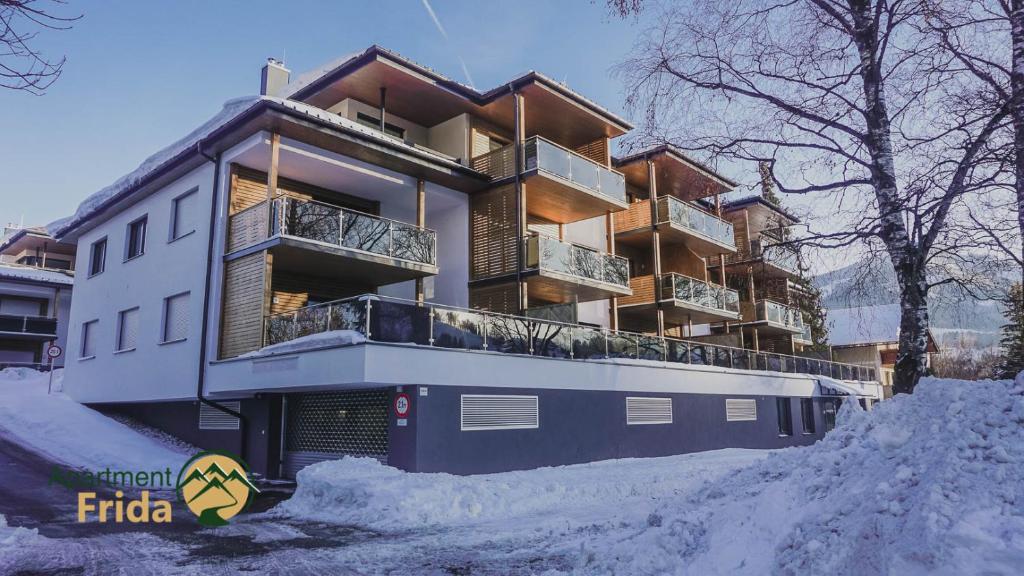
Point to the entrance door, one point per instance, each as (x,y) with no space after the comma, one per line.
(328,425)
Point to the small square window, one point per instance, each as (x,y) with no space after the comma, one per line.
(176,318)
(98,257)
(135,244)
(127,329)
(88,339)
(183,214)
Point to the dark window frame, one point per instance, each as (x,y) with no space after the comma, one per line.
(102,259)
(807,415)
(89,330)
(784,411)
(130,241)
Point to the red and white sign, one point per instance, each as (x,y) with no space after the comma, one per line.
(402,405)
(54,351)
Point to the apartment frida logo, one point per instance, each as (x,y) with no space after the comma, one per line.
(215,487)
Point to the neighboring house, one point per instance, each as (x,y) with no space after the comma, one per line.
(368,260)
(869,336)
(36,277)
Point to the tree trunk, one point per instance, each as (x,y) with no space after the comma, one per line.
(1017,109)
(912,358)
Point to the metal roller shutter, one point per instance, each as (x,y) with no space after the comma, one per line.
(328,425)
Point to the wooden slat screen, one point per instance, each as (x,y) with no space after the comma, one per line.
(637,216)
(290,291)
(502,298)
(596,151)
(497,164)
(242,316)
(492,233)
(643,291)
(249,187)
(247,227)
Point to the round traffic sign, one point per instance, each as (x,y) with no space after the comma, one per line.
(402,405)
(54,351)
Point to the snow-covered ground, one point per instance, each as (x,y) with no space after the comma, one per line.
(67,432)
(925,484)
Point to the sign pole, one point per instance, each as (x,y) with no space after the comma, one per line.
(49,385)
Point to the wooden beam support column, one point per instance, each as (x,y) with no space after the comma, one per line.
(613,302)
(519,113)
(421,221)
(275,156)
(655,245)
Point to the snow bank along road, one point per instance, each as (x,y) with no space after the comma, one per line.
(930,483)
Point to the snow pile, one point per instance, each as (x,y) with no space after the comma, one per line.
(364,492)
(924,484)
(319,340)
(11,537)
(69,433)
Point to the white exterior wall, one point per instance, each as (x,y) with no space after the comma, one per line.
(349,108)
(451,137)
(153,371)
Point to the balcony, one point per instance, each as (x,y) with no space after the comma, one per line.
(698,301)
(706,234)
(784,258)
(395,321)
(562,186)
(804,337)
(17,327)
(328,240)
(773,317)
(562,271)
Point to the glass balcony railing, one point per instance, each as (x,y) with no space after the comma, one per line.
(16,324)
(684,215)
(775,313)
(553,255)
(383,319)
(780,256)
(700,293)
(354,230)
(546,156)
(805,337)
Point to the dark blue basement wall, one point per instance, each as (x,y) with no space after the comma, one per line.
(578,426)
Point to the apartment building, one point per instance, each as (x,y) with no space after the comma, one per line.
(373,259)
(36,277)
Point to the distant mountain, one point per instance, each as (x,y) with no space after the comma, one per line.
(956,318)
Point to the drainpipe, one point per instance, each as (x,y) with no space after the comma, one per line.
(243,423)
(383,97)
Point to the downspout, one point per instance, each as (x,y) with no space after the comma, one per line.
(243,423)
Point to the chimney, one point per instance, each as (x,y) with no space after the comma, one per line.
(273,78)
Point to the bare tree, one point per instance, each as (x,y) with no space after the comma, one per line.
(22,66)
(839,98)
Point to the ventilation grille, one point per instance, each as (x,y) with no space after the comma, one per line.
(212,419)
(737,410)
(648,410)
(496,412)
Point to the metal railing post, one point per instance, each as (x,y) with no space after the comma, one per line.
(368,308)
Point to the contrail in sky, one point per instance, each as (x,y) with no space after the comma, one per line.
(440,28)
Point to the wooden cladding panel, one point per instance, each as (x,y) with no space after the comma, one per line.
(741,233)
(497,164)
(247,227)
(680,259)
(596,151)
(773,289)
(244,300)
(290,290)
(637,216)
(492,233)
(502,298)
(643,291)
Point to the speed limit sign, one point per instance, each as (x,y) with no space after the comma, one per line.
(54,351)
(402,405)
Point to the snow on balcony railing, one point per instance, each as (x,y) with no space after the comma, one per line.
(700,293)
(684,215)
(354,230)
(393,320)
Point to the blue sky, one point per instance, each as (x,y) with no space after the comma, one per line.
(141,75)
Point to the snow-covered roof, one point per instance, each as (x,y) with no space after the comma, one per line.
(232,109)
(864,325)
(31,273)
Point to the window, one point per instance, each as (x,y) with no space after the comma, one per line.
(739,410)
(371,122)
(807,414)
(184,210)
(641,410)
(785,416)
(499,412)
(136,241)
(175,318)
(88,340)
(98,256)
(127,329)
(830,414)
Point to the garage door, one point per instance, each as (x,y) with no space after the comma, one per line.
(328,425)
